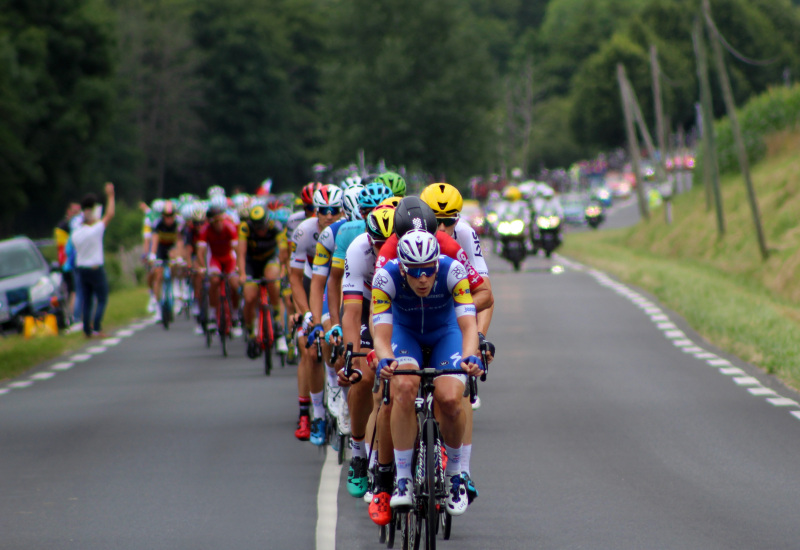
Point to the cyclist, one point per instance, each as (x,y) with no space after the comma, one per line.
(262,248)
(357,296)
(215,251)
(393,181)
(191,235)
(413,213)
(166,243)
(422,299)
(327,202)
(446,202)
(151,217)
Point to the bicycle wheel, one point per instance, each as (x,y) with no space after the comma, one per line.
(165,313)
(391,530)
(266,327)
(342,447)
(431,513)
(222,325)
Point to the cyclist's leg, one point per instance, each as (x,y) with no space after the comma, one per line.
(214,271)
(250,293)
(158,281)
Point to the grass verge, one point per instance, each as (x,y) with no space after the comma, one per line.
(720,285)
(18,354)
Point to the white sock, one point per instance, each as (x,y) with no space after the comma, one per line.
(466,454)
(453,460)
(402,460)
(333,380)
(317,400)
(359,448)
(373,458)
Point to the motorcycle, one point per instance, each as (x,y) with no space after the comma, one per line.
(549,233)
(594,215)
(512,241)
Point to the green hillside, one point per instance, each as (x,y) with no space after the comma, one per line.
(721,286)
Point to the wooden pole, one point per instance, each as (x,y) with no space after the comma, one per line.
(730,106)
(633,141)
(709,146)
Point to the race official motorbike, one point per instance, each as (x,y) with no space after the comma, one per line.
(512,237)
(549,233)
(594,215)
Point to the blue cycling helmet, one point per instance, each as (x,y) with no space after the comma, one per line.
(373,194)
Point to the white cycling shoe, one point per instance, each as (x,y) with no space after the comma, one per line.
(280,345)
(403,494)
(456,489)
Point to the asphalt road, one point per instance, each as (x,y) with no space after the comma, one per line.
(603,425)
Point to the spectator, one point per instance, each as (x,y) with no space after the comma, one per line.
(62,232)
(88,241)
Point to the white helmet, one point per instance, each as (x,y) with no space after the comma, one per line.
(199,211)
(219,202)
(186,210)
(350,181)
(215,190)
(350,202)
(328,195)
(547,192)
(417,247)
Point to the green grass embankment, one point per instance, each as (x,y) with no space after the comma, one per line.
(721,286)
(18,354)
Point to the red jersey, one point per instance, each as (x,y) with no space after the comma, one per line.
(220,244)
(449,247)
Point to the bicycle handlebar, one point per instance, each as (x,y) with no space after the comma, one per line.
(349,371)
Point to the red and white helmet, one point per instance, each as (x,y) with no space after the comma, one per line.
(328,195)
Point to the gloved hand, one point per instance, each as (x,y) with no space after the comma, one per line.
(316,332)
(473,365)
(308,318)
(385,368)
(334,332)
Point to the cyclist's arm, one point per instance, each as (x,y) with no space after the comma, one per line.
(241,255)
(154,243)
(381,318)
(469,335)
(317,293)
(482,296)
(485,314)
(298,292)
(335,295)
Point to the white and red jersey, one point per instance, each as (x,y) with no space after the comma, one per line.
(467,239)
(304,246)
(359,268)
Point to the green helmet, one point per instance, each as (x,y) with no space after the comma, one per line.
(393,181)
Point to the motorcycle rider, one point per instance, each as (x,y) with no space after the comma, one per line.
(513,207)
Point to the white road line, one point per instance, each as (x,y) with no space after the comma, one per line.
(683,342)
(705,355)
(675,334)
(111,341)
(43,375)
(660,317)
(22,384)
(692,349)
(4,391)
(718,362)
(747,381)
(666,326)
(796,414)
(761,391)
(65,365)
(652,311)
(126,332)
(327,507)
(783,402)
(95,350)
(81,357)
(732,371)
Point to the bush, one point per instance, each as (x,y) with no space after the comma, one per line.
(775,110)
(125,229)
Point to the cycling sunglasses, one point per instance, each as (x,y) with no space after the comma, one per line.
(328,210)
(447,222)
(417,272)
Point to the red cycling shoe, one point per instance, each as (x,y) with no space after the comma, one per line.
(303,431)
(379,510)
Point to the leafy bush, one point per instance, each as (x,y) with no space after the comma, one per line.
(775,110)
(125,229)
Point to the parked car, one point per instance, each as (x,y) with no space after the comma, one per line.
(28,285)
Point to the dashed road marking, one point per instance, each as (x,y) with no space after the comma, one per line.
(783,402)
(680,340)
(78,357)
(327,507)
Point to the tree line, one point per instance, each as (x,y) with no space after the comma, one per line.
(171,96)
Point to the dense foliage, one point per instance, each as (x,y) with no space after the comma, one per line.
(168,96)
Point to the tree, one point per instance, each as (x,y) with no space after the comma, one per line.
(409,81)
(59,56)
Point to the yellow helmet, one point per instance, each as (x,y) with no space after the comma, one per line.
(391,201)
(380,223)
(512,193)
(258,215)
(443,198)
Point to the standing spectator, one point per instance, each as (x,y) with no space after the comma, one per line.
(62,232)
(88,241)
